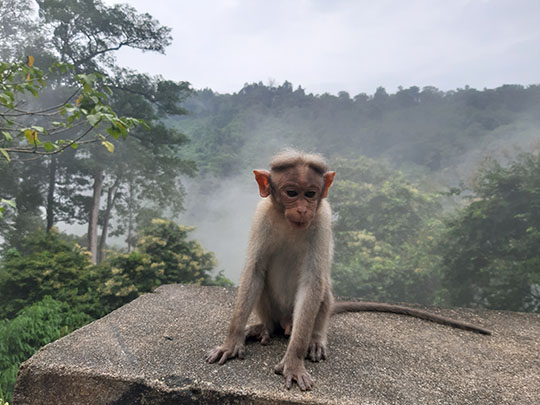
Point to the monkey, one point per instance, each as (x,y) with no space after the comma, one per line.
(286,277)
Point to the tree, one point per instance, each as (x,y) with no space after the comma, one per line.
(152,156)
(489,250)
(46,131)
(86,34)
(383,230)
(370,196)
(175,258)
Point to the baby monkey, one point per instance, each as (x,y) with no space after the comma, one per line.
(286,278)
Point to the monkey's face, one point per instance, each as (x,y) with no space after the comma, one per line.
(298,192)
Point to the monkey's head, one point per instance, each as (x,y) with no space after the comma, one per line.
(296,182)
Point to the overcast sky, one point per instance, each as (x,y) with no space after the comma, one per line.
(350,45)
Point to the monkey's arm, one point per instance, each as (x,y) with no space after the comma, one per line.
(250,288)
(251,284)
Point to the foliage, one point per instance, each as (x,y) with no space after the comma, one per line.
(33,327)
(181,261)
(382,233)
(419,130)
(163,256)
(368,195)
(490,253)
(47,265)
(88,111)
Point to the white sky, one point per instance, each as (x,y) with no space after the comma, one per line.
(351,45)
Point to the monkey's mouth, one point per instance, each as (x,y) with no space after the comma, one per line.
(299,225)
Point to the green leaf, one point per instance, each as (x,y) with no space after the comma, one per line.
(49,146)
(71,118)
(11,203)
(93,119)
(39,129)
(6,155)
(5,99)
(7,136)
(115,133)
(144,124)
(108,145)
(74,145)
(32,90)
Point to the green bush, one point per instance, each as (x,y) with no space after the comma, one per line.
(49,287)
(164,255)
(32,328)
(47,265)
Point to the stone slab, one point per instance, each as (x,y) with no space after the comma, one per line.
(152,350)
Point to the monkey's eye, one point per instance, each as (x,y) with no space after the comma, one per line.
(291,193)
(310,194)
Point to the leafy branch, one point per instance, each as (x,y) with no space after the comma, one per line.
(44,131)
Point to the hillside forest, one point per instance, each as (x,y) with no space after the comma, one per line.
(113,181)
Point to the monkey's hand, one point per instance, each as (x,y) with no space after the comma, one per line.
(227,350)
(294,371)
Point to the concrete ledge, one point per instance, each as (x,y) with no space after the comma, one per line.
(152,350)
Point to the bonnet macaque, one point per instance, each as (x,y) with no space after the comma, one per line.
(286,278)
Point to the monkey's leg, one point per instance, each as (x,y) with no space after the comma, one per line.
(286,325)
(305,311)
(317,346)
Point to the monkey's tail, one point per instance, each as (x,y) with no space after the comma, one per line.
(361,306)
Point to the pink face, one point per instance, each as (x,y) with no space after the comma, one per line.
(298,191)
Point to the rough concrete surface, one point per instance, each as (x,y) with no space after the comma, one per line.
(152,350)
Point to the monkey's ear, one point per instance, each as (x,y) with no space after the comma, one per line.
(328,179)
(263,180)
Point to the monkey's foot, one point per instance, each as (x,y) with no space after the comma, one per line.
(294,371)
(287,327)
(225,352)
(258,332)
(316,351)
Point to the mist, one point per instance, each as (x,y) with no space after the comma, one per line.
(437,139)
(221,217)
